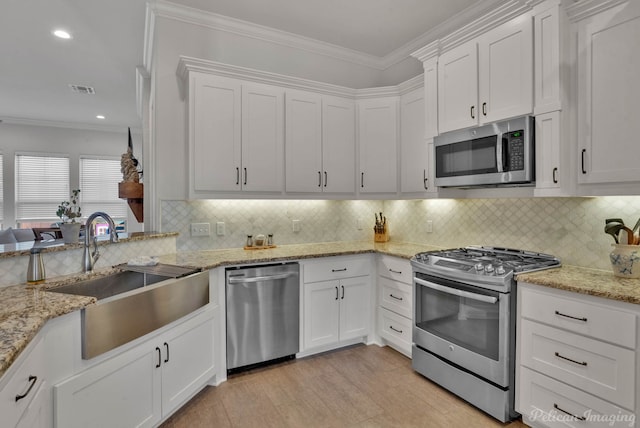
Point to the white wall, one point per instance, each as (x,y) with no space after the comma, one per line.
(72,142)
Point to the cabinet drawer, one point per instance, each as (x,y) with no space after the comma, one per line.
(21,383)
(589,319)
(395,268)
(336,268)
(599,368)
(395,329)
(552,403)
(395,296)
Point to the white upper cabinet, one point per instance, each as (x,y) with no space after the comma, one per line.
(458,88)
(378,136)
(236,136)
(262,138)
(320,143)
(215,134)
(487,79)
(505,57)
(430,97)
(303,147)
(608,94)
(414,156)
(338,145)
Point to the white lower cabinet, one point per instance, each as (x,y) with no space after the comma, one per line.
(570,371)
(395,300)
(141,386)
(24,393)
(336,310)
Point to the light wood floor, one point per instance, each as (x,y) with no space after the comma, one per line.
(361,386)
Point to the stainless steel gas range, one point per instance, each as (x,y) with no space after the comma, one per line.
(464,321)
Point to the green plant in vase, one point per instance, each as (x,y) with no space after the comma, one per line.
(69,211)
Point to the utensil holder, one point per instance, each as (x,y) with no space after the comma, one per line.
(625,260)
(382,237)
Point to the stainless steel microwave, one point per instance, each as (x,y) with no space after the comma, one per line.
(500,153)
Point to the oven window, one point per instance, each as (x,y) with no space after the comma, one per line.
(469,157)
(466,322)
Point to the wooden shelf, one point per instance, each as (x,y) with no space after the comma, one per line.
(134,194)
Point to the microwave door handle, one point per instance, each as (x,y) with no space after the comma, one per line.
(500,149)
(455,291)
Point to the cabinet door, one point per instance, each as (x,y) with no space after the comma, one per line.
(355,307)
(262,138)
(215,124)
(506,70)
(187,360)
(338,145)
(430,98)
(38,413)
(458,88)
(129,383)
(413,147)
(321,313)
(548,150)
(378,145)
(304,142)
(547,60)
(609,90)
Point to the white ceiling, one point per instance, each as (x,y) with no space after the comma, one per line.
(107,46)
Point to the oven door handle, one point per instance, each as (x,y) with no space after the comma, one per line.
(455,291)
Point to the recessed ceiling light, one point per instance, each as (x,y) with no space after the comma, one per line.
(62,34)
(99,116)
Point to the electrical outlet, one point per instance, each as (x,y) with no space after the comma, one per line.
(429,226)
(296,226)
(220,228)
(200,229)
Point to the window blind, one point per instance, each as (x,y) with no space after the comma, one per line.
(99,178)
(42,183)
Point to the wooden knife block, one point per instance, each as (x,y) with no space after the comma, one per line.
(382,237)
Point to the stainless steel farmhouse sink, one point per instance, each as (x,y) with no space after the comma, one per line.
(110,285)
(132,304)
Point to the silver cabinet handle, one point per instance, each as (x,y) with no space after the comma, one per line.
(456,292)
(244,279)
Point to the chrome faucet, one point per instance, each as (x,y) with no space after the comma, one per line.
(89,259)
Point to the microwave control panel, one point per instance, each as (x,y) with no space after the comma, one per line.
(516,150)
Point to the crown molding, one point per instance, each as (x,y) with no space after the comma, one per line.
(67,125)
(429,51)
(142,77)
(189,64)
(227,24)
(475,13)
(585,8)
(148,50)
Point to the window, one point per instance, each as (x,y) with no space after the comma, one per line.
(99,178)
(42,183)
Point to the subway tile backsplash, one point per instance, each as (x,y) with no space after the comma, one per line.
(570,228)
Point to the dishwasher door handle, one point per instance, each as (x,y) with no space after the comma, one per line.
(245,279)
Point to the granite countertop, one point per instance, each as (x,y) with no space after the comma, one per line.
(26,308)
(582,280)
(23,248)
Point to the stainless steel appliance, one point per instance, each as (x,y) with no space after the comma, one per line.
(501,153)
(464,321)
(263,315)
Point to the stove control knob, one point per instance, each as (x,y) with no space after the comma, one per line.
(500,270)
(488,268)
(479,267)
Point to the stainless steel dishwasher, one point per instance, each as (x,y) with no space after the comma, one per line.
(263,314)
